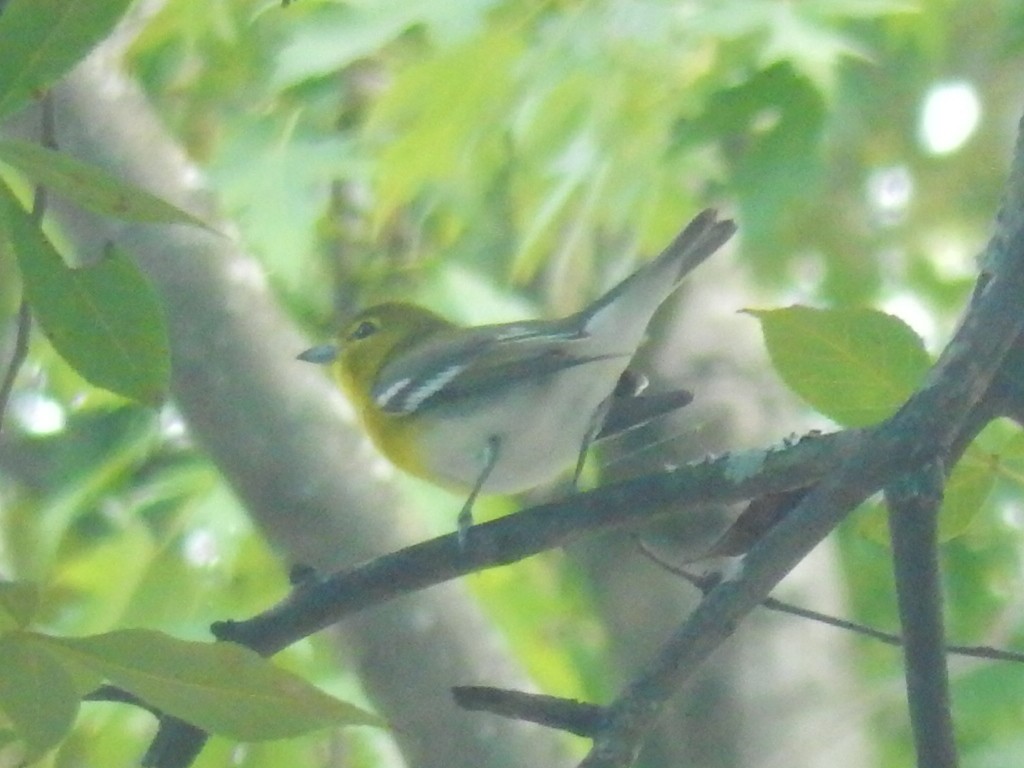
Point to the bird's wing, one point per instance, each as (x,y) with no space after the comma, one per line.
(628,411)
(478,362)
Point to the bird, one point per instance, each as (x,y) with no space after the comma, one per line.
(503,408)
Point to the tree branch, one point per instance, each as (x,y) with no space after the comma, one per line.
(737,477)
(924,429)
(575,717)
(914,503)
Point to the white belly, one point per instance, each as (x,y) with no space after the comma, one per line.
(537,439)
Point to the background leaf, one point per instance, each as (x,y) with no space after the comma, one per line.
(36,693)
(224,688)
(856,366)
(967,488)
(43,39)
(103,319)
(89,186)
(19,601)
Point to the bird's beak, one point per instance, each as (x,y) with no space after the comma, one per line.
(320,354)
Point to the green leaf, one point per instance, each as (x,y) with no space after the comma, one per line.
(91,187)
(967,488)
(437,117)
(19,601)
(993,455)
(804,33)
(856,366)
(103,319)
(40,40)
(221,687)
(278,201)
(777,163)
(338,34)
(860,9)
(36,693)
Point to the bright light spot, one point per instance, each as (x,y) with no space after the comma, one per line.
(200,548)
(950,115)
(248,273)
(172,426)
(1012,514)
(193,176)
(910,310)
(38,414)
(889,191)
(952,255)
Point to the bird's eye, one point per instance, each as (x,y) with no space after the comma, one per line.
(364,329)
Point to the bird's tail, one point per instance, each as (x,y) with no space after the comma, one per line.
(626,309)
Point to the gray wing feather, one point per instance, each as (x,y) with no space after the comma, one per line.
(478,362)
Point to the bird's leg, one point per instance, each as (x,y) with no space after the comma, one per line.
(490,455)
(593,429)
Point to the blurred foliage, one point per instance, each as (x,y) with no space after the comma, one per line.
(488,157)
(50,36)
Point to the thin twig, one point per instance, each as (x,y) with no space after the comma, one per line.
(705,583)
(17,358)
(48,137)
(119,695)
(576,717)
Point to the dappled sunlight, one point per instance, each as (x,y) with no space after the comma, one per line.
(949,117)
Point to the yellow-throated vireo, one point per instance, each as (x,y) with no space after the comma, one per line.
(503,408)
